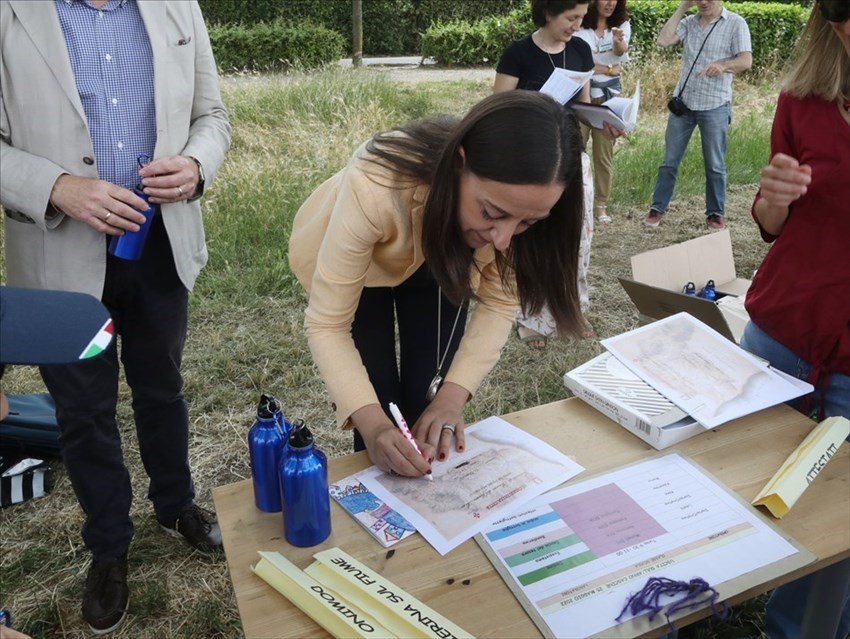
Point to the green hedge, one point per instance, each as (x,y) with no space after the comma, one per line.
(774,27)
(462,43)
(389,26)
(275,46)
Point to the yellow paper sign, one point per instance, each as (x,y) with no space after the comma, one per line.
(802,466)
(399,611)
(328,609)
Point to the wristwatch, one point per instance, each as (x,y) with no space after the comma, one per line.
(200,186)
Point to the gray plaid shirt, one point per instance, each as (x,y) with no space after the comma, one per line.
(729,38)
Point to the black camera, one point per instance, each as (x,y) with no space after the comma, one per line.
(677,106)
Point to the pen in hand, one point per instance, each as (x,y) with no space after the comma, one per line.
(402,426)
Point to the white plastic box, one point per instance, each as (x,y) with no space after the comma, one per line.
(612,389)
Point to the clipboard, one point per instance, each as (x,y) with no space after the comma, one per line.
(638,626)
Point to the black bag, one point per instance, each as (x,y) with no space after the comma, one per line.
(677,106)
(30,428)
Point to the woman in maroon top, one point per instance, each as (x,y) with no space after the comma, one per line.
(799,302)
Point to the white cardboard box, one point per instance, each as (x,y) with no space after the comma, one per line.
(658,277)
(612,389)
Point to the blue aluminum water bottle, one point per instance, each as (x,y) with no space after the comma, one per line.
(284,425)
(266,443)
(304,490)
(129,246)
(689,289)
(708,292)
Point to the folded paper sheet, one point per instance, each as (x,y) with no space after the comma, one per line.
(349,599)
(399,611)
(325,607)
(802,466)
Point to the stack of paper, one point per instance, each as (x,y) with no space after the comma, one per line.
(692,366)
(621,113)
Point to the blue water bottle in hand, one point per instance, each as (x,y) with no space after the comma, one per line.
(129,246)
(304,489)
(266,443)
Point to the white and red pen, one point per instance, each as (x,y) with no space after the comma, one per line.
(402,426)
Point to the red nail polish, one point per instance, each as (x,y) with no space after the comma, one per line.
(442,456)
(460,449)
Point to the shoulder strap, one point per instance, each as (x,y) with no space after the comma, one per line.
(682,90)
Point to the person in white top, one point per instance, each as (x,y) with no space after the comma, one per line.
(606,29)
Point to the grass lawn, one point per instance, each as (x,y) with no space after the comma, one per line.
(245,332)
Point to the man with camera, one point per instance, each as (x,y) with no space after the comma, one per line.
(715,46)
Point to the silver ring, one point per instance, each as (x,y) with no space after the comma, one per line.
(181,191)
(449,427)
(108,215)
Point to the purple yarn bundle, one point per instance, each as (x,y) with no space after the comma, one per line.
(695,593)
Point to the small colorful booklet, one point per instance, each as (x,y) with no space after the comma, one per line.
(385,524)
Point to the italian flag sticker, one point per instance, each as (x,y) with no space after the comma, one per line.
(100,341)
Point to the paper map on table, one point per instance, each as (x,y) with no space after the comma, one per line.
(702,372)
(501,467)
(574,556)
(382,522)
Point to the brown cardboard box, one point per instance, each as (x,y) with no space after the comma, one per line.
(660,275)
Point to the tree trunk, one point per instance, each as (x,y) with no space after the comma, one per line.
(357,35)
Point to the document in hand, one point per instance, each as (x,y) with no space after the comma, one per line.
(620,113)
(564,84)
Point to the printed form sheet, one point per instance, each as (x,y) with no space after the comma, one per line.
(501,467)
(576,554)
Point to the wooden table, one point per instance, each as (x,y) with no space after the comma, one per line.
(465,587)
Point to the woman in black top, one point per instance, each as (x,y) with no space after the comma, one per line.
(526,64)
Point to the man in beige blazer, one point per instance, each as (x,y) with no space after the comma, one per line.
(87,87)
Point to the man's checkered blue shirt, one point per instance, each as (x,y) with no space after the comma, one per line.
(728,39)
(113,66)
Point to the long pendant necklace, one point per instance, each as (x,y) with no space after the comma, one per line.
(564,58)
(435,384)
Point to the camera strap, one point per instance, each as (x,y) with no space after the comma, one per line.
(682,90)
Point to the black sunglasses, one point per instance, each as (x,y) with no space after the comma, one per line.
(834,10)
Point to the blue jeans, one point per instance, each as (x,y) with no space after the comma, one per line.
(713,125)
(817,605)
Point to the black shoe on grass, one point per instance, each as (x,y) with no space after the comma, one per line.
(107,595)
(198,527)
